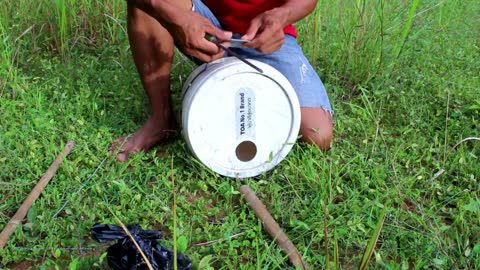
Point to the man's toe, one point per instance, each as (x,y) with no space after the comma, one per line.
(122,156)
(114,145)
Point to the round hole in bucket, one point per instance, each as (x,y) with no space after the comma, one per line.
(246,151)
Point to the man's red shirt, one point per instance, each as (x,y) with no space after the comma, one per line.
(235,15)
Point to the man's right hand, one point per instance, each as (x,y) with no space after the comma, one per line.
(189,30)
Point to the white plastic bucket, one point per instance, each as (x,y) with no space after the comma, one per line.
(237,121)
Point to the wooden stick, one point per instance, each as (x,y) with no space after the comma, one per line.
(22,211)
(272,228)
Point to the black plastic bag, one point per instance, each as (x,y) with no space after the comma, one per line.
(124,255)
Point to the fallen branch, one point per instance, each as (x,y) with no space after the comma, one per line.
(34,194)
(272,228)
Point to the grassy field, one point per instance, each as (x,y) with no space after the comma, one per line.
(404,80)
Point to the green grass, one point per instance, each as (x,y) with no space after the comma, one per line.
(403,77)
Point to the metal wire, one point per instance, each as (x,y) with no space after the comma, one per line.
(78,190)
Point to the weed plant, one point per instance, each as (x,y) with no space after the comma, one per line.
(396,190)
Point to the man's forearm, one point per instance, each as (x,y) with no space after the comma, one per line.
(293,10)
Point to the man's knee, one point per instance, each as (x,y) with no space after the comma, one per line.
(317,127)
(320,137)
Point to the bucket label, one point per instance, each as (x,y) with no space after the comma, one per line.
(245,113)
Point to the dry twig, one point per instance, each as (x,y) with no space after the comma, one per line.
(34,194)
(272,228)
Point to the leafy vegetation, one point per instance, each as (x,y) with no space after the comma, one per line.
(404,80)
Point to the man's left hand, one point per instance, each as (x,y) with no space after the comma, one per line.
(266,31)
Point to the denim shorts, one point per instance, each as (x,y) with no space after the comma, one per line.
(289,60)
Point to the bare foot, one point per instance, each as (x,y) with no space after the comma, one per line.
(149,135)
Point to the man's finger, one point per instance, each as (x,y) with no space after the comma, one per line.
(218,55)
(252,30)
(226,44)
(261,39)
(269,44)
(208,47)
(207,57)
(218,33)
(201,56)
